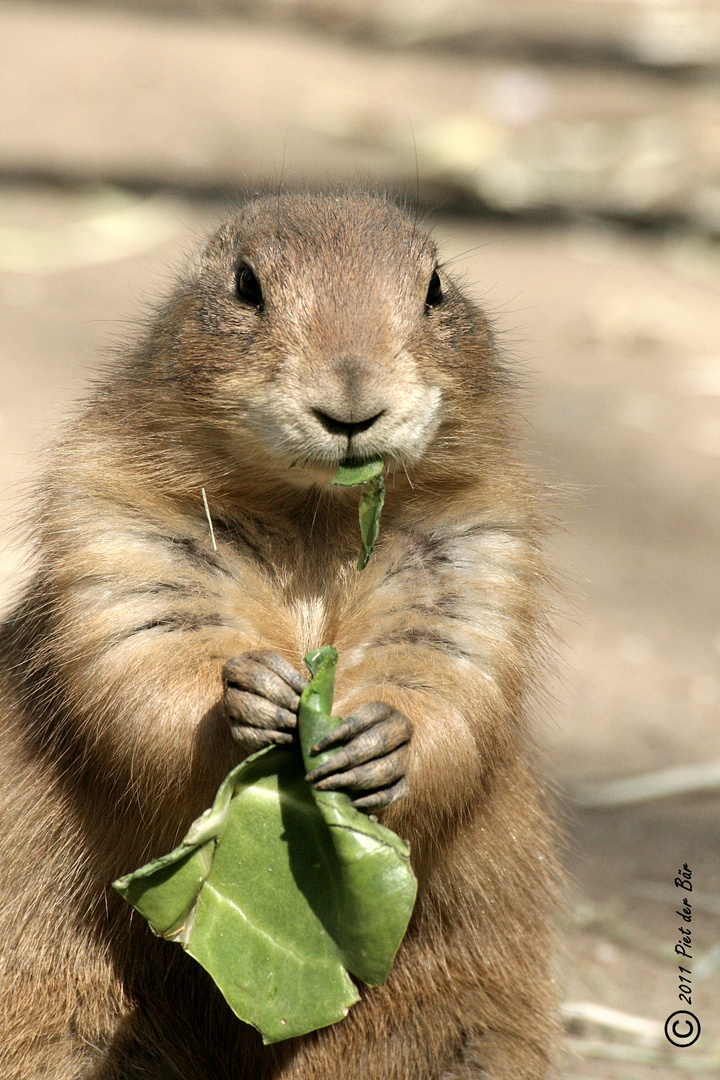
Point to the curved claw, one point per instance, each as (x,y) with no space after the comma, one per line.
(280,666)
(372,743)
(379,800)
(361,720)
(373,760)
(262,695)
(378,773)
(250,673)
(256,711)
(252,739)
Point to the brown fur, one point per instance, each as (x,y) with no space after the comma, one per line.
(113,733)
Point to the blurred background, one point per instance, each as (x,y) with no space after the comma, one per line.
(567,155)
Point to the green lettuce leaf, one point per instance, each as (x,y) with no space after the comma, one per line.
(351,474)
(279,890)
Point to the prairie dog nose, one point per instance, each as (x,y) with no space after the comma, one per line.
(335,426)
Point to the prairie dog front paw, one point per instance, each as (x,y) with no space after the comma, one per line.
(261,697)
(372,760)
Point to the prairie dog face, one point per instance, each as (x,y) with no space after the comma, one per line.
(317,328)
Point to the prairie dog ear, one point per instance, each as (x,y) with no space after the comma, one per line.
(434,296)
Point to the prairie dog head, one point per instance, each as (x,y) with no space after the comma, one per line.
(315,328)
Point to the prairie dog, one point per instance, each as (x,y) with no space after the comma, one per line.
(142,664)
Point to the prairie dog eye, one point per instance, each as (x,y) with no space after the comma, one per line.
(248,286)
(434,294)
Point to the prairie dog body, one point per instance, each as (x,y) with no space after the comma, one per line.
(142,664)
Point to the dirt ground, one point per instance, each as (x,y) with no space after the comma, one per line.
(614,330)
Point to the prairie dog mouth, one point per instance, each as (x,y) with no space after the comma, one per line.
(394,431)
(318,420)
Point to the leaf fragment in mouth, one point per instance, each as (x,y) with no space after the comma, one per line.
(352,473)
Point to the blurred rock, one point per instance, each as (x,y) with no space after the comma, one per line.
(656,32)
(158,101)
(108,224)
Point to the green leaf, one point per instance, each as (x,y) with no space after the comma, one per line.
(371,504)
(354,471)
(280,890)
(374,887)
